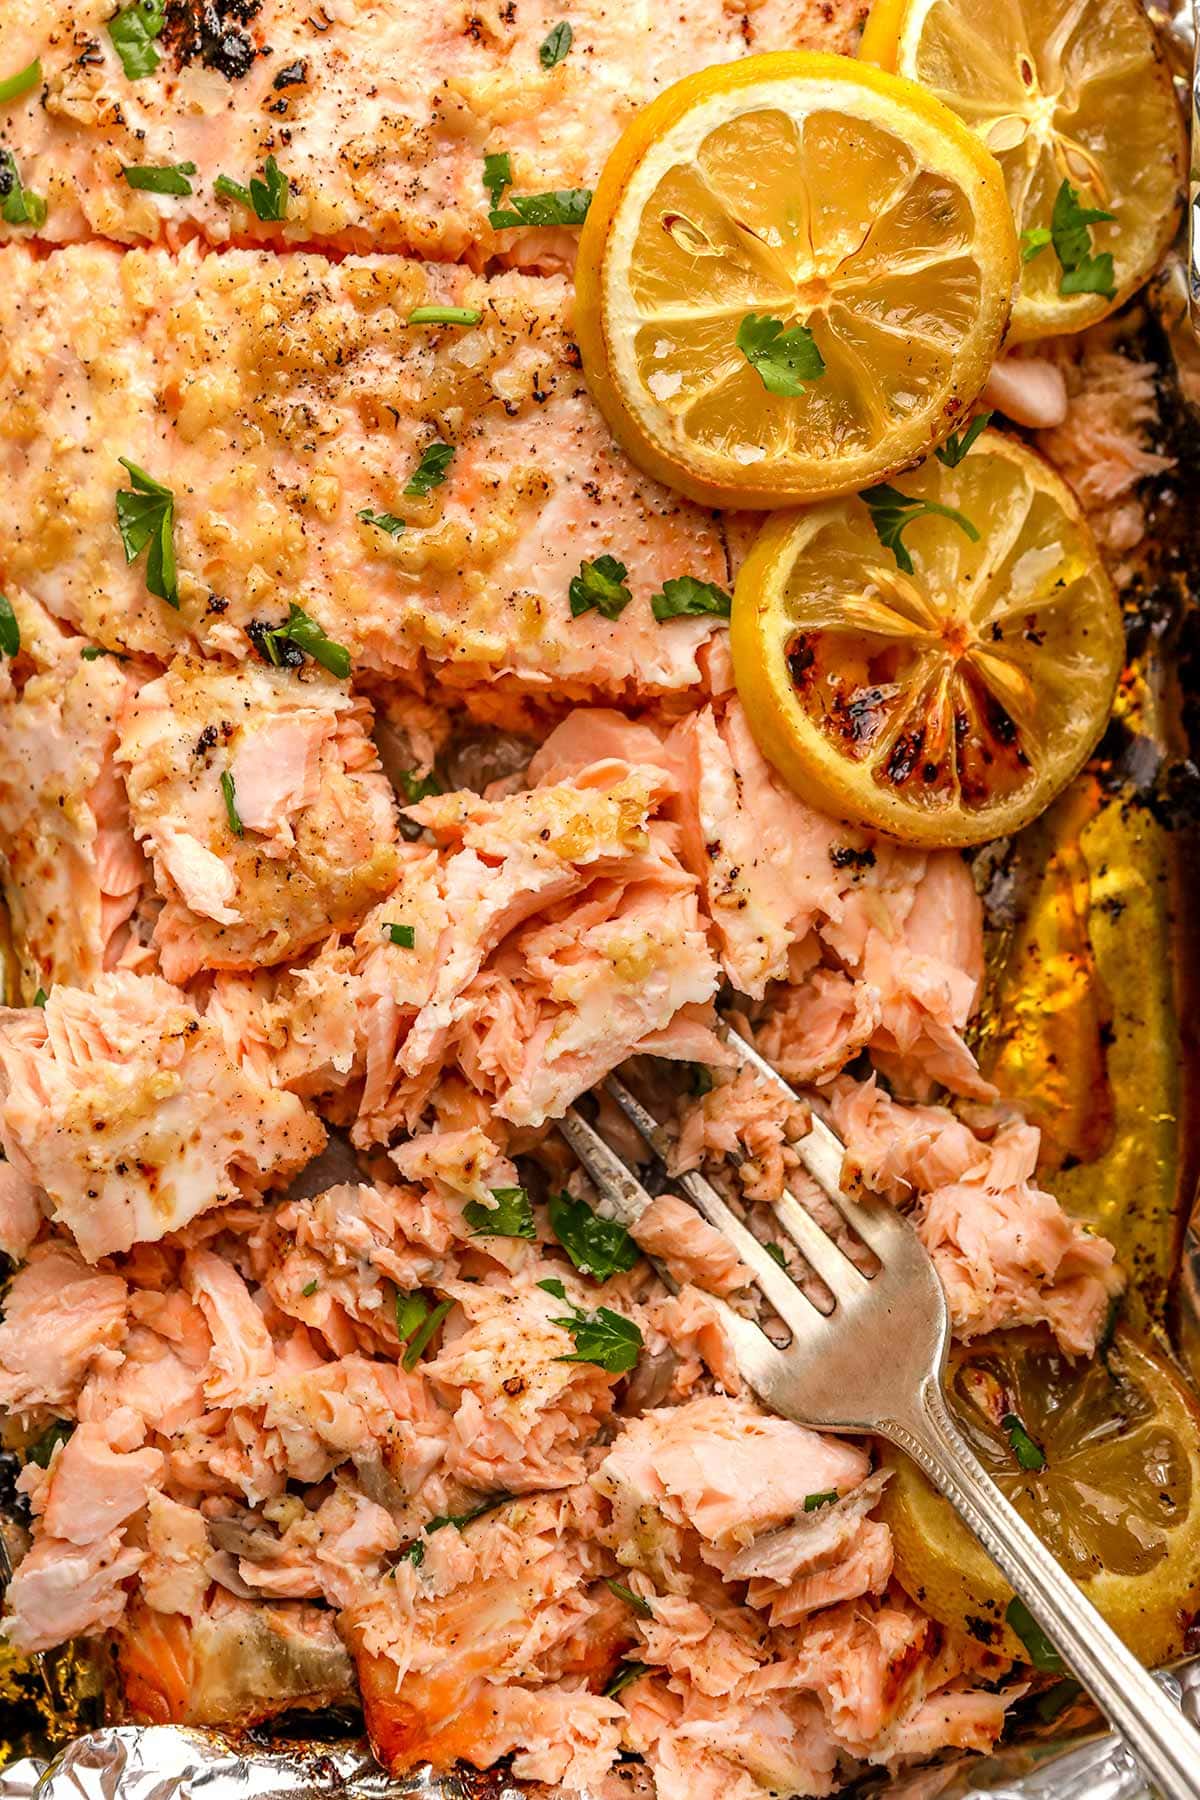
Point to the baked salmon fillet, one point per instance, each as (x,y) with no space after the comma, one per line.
(286,403)
(378,116)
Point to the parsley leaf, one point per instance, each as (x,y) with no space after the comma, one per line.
(415,1554)
(641,1607)
(310,1288)
(41,997)
(564,206)
(403,935)
(418,787)
(93,653)
(600,584)
(266,196)
(497,174)
(419,1343)
(556,44)
(1042,1653)
(168,178)
(146,517)
(684,596)
(1029,1454)
(382,521)
(893,512)
(430,472)
(628,1671)
(412,1310)
(814,1502)
(18,206)
(43,1448)
(133,32)
(597,1246)
(306,635)
(511,1217)
(229,795)
(13,86)
(784,360)
(603,1338)
(554,1286)
(1071,235)
(955,447)
(776,1253)
(444,315)
(10,630)
(460,1521)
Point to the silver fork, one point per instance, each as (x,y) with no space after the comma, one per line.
(875,1364)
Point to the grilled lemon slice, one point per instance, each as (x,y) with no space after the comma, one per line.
(1118,1498)
(793,278)
(1071,91)
(949,700)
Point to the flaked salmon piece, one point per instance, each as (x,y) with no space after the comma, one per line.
(688,1326)
(380,133)
(459,1656)
(21,1213)
(73,874)
(62,1320)
(355,1407)
(95,1488)
(242,1359)
(691,1248)
(552,932)
(174,1577)
(296,1026)
(810,1030)
(235,1665)
(123,1106)
(1030,390)
(1006,1252)
(961,1720)
(308,846)
(705,1748)
(522,1416)
(742,1116)
(279,399)
(62,1590)
(722,1468)
(338,1552)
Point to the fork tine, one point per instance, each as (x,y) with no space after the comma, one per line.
(834,1267)
(613,1178)
(799,1314)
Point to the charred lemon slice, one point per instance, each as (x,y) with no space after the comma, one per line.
(1102,1459)
(793,277)
(934,659)
(1073,91)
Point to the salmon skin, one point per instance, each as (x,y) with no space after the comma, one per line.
(379,122)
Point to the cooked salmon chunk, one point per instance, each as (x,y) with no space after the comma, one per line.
(379,122)
(123,1106)
(286,404)
(73,873)
(259,796)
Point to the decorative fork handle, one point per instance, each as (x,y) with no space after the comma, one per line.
(1164,1743)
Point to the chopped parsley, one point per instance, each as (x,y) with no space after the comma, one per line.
(598,1247)
(1029,1454)
(93,653)
(460,1521)
(955,447)
(511,1217)
(783,360)
(553,1286)
(18,206)
(641,1607)
(685,596)
(628,1671)
(893,512)
(702,1079)
(497,174)
(167,178)
(403,935)
(309,1289)
(43,1448)
(1041,1651)
(418,787)
(146,518)
(814,1502)
(1070,234)
(563,206)
(10,630)
(229,795)
(430,472)
(556,44)
(382,521)
(266,196)
(411,1312)
(415,1554)
(133,32)
(305,635)
(13,86)
(600,585)
(40,998)
(445,315)
(419,1340)
(603,1338)
(776,1253)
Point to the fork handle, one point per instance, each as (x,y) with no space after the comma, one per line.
(1161,1739)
